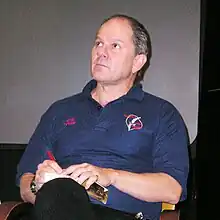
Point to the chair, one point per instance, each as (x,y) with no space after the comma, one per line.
(169,212)
(167,206)
(14,210)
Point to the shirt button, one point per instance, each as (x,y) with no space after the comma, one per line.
(99,107)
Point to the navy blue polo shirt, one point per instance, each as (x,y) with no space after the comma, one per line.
(138,132)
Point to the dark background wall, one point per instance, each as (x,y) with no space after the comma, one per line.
(10,155)
(208,138)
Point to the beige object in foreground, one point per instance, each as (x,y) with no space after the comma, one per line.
(51,176)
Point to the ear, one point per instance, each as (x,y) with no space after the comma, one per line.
(139,62)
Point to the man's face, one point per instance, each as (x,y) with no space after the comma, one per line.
(113,52)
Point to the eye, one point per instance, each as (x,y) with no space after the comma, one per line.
(98,43)
(116,46)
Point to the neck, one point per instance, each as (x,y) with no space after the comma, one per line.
(105,93)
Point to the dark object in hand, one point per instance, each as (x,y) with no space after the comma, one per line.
(97,192)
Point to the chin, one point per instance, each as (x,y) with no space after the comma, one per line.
(100,76)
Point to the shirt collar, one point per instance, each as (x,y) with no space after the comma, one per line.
(136,92)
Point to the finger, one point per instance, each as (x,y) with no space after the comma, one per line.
(49,165)
(77,173)
(55,166)
(73,168)
(83,177)
(39,180)
(81,171)
(92,179)
(39,177)
(45,168)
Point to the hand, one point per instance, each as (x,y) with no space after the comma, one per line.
(82,172)
(48,170)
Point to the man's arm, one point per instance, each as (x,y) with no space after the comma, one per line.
(46,171)
(25,190)
(34,154)
(150,187)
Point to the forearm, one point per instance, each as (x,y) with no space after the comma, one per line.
(150,187)
(25,190)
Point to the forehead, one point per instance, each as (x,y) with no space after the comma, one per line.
(116,28)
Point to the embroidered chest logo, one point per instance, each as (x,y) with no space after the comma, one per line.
(70,121)
(133,122)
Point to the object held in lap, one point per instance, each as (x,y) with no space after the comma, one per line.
(97,192)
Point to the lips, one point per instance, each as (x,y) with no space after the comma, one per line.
(102,65)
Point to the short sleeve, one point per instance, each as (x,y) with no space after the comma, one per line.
(170,151)
(38,145)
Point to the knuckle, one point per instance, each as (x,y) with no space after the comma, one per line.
(45,162)
(36,178)
(48,162)
(37,173)
(72,167)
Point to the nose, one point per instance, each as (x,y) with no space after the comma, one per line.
(102,51)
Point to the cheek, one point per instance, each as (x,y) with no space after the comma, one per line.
(122,64)
(128,63)
(93,55)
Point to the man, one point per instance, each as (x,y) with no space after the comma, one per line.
(113,133)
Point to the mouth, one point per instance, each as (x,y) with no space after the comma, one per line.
(102,65)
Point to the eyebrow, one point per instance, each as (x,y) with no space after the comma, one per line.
(114,39)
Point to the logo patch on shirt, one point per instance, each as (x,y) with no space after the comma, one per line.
(133,122)
(70,121)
